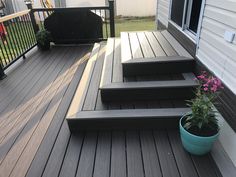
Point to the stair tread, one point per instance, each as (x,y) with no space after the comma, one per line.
(130,114)
(150,84)
(161,59)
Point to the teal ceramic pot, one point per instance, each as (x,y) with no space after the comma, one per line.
(194,144)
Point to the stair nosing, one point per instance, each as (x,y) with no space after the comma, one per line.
(149,85)
(129,114)
(163,59)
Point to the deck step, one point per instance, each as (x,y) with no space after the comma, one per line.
(150,90)
(157,65)
(126,119)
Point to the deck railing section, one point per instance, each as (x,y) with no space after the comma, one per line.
(17,37)
(17,31)
(105,12)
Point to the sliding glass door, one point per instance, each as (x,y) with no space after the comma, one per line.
(186,13)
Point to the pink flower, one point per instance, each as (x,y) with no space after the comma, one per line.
(205,89)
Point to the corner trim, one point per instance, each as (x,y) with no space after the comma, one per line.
(160,25)
(183,39)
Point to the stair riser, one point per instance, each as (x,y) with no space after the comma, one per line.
(147,94)
(144,69)
(124,124)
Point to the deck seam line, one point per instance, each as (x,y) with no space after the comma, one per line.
(155,144)
(81,148)
(126,158)
(64,154)
(95,152)
(110,153)
(141,151)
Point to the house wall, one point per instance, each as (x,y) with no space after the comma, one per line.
(213,51)
(163,11)
(84,3)
(220,56)
(18,5)
(136,8)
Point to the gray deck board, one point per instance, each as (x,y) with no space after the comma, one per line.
(166,156)
(91,97)
(134,155)
(103,153)
(184,162)
(40,159)
(88,155)
(118,154)
(38,142)
(69,166)
(150,157)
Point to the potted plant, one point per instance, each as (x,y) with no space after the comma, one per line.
(44,38)
(199,128)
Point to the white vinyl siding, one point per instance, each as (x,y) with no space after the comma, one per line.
(163,11)
(216,53)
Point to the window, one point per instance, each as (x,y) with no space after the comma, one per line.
(186,13)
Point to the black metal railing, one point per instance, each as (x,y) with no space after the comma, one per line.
(17,31)
(105,12)
(17,37)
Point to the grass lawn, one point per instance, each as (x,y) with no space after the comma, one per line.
(134,24)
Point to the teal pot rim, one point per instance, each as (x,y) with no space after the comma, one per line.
(196,136)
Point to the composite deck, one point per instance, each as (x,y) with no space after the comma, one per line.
(35,137)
